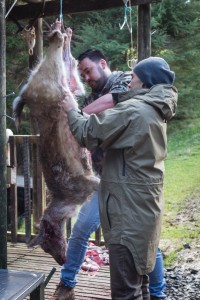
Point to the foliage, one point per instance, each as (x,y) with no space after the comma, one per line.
(179,22)
(174,17)
(113,41)
(175,37)
(16,69)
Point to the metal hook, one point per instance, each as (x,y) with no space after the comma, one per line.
(13,93)
(13,119)
(131,63)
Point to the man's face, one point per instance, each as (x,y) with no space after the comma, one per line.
(93,73)
(136,83)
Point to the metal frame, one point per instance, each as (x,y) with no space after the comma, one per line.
(19,284)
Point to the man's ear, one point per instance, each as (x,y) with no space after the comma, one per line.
(103,63)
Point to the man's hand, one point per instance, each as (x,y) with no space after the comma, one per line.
(69,103)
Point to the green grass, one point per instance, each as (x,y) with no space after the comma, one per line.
(181,180)
(182,174)
(182,185)
(170,259)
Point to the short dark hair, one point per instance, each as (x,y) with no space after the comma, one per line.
(93,54)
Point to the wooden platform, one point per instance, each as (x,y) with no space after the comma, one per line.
(88,287)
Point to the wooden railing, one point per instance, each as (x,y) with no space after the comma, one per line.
(33,186)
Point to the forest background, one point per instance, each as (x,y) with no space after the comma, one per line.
(175,27)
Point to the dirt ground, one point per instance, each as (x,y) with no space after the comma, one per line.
(189,255)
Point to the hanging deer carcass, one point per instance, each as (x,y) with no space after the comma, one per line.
(66,167)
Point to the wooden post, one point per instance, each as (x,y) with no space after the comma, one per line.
(27,196)
(13,192)
(3,192)
(144,31)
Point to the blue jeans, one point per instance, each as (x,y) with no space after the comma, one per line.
(87,222)
(157,282)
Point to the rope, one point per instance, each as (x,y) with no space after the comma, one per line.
(10,8)
(127,11)
(131,32)
(131,62)
(61,14)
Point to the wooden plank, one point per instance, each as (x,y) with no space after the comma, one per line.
(88,288)
(52,8)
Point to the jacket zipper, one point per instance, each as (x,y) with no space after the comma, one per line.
(123,164)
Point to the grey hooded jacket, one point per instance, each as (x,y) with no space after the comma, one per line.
(131,190)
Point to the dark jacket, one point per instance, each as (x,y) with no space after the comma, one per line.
(131,190)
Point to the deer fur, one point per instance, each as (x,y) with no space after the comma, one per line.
(66,166)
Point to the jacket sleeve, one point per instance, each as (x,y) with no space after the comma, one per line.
(110,129)
(121,83)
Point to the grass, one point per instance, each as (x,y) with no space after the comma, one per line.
(182,167)
(170,259)
(181,186)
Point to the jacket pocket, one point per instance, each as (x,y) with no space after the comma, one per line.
(103,204)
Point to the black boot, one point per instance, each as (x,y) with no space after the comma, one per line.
(63,292)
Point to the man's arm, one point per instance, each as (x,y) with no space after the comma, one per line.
(110,99)
(99,105)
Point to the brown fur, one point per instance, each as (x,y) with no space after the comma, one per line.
(66,167)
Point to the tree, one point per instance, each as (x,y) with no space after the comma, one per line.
(175,37)
(179,22)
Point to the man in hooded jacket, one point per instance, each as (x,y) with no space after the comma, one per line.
(133,133)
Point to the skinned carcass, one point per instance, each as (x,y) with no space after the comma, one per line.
(66,167)
(70,63)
